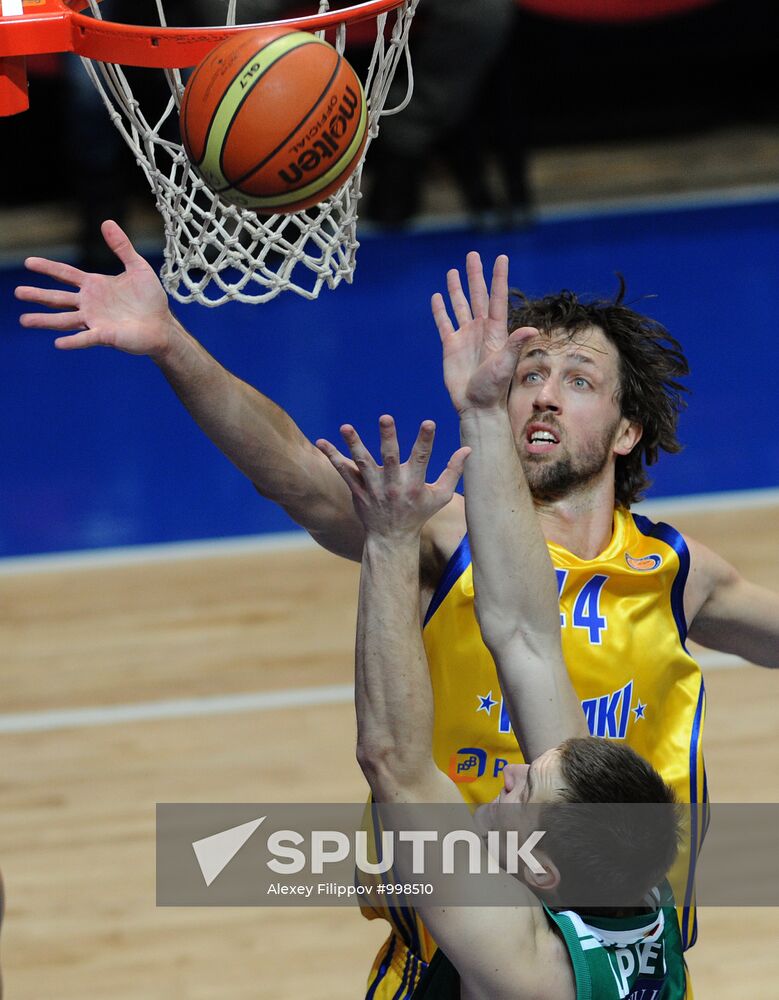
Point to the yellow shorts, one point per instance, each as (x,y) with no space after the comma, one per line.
(395,972)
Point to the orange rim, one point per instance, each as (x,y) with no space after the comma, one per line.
(57,26)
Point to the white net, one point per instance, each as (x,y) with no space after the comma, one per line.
(215,252)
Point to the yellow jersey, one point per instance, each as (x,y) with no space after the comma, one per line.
(624,639)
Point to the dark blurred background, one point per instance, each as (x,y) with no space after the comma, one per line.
(517,105)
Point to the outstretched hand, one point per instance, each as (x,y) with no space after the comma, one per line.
(128,311)
(393,499)
(479,356)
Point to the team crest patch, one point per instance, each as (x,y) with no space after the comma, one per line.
(644,563)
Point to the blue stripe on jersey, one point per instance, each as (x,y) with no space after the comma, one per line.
(402,918)
(381,972)
(416,975)
(672,538)
(455,568)
(401,993)
(688,939)
(706,821)
(420,968)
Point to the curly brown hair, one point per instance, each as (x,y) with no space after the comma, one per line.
(650,363)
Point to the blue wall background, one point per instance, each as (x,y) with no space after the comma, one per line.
(96,451)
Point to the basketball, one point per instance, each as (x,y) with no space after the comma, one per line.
(274,120)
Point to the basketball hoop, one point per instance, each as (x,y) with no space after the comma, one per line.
(214,252)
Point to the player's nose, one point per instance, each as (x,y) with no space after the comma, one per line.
(514,776)
(547,397)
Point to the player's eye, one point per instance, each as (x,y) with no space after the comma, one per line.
(533,378)
(581,383)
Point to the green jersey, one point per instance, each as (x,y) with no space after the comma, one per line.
(624,958)
(614,958)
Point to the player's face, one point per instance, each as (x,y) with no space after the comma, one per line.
(523,785)
(536,783)
(565,412)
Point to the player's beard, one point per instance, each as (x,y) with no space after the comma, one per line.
(560,477)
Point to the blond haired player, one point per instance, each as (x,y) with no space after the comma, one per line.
(630,591)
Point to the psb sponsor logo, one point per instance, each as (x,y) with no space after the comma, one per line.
(467,764)
(644,564)
(609,714)
(470,763)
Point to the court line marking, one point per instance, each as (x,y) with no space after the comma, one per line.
(279,542)
(207,548)
(231,704)
(288,541)
(179,708)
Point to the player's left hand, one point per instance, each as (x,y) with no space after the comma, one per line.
(479,356)
(393,499)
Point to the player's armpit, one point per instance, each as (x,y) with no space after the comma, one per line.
(503,952)
(727,612)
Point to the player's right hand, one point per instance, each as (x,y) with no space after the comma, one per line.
(128,311)
(393,499)
(479,353)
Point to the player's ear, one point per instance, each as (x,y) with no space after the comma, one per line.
(545,881)
(628,434)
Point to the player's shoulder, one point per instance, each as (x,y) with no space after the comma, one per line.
(709,575)
(647,526)
(706,561)
(704,570)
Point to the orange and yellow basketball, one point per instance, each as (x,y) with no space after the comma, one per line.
(274,120)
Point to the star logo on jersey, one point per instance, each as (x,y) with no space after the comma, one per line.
(486,702)
(639,710)
(644,564)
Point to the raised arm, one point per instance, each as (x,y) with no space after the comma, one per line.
(393,695)
(514,582)
(394,705)
(130,312)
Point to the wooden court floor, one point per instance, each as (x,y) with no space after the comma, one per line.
(77,833)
